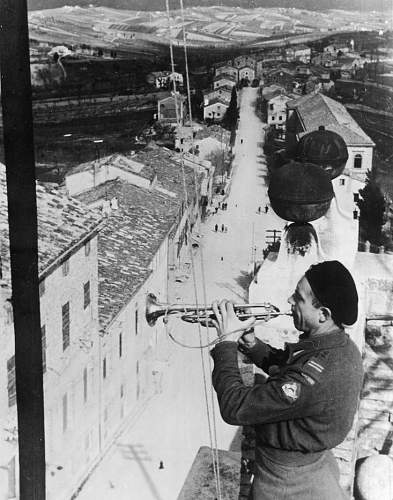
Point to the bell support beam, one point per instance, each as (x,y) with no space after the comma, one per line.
(22,215)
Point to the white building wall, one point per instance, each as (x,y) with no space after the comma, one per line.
(367,160)
(75,447)
(71,451)
(218,108)
(247,72)
(130,380)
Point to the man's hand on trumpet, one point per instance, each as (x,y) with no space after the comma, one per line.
(229,327)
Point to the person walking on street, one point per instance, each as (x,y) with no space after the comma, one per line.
(222,228)
(259,209)
(307,404)
(266,209)
(216,228)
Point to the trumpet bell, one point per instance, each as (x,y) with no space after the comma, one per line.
(154,309)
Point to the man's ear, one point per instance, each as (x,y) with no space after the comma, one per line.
(324,314)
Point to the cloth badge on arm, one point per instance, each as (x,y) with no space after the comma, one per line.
(314,370)
(291,391)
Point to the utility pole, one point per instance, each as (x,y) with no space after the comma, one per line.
(22,216)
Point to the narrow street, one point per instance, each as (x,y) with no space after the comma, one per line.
(174,423)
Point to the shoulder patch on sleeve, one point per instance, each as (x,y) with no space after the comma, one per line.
(313,368)
(291,391)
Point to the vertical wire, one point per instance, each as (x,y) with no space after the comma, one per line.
(216,462)
(215,466)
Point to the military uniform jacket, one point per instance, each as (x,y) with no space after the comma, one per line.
(307,403)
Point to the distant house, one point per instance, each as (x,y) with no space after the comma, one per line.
(336,49)
(224,93)
(325,59)
(268,92)
(227,70)
(277,110)
(246,73)
(244,60)
(348,66)
(280,76)
(311,111)
(300,53)
(215,110)
(224,80)
(259,68)
(162,79)
(172,108)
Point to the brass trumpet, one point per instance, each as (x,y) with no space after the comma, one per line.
(204,314)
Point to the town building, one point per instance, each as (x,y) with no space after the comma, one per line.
(281,76)
(134,249)
(336,49)
(244,60)
(224,93)
(68,288)
(172,109)
(216,108)
(246,73)
(259,67)
(300,53)
(162,79)
(224,80)
(277,110)
(312,111)
(226,70)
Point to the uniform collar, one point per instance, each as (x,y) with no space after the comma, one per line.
(326,341)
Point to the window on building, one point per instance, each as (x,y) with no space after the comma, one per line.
(104,368)
(121,391)
(84,385)
(11,385)
(120,345)
(65,324)
(87,248)
(43,341)
(357,162)
(280,118)
(136,320)
(273,118)
(342,182)
(271,107)
(355,197)
(86,294)
(65,412)
(41,287)
(65,268)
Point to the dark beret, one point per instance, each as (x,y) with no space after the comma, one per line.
(335,288)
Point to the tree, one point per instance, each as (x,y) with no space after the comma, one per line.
(372,207)
(232,113)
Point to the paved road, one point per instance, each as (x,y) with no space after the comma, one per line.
(175,424)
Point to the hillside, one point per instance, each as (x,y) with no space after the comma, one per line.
(153,5)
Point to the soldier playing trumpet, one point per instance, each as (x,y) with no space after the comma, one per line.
(307,404)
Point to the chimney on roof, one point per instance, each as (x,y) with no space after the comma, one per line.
(321,127)
(106,208)
(114,204)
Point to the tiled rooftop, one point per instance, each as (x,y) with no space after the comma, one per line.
(225,76)
(62,223)
(218,99)
(317,109)
(152,161)
(128,241)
